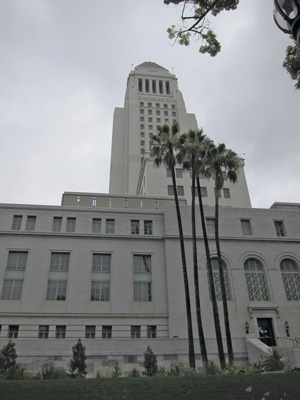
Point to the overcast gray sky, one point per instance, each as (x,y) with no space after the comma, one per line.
(63,69)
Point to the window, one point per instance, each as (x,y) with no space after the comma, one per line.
(173,113)
(57,223)
(150,127)
(154,86)
(203,191)
(142,151)
(151,331)
(30,223)
(140,85)
(141,104)
(101,262)
(12,289)
(59,261)
(217,282)
(96,226)
(173,106)
(166,113)
(158,120)
(14,275)
(135,227)
(17,260)
(100,291)
(178,173)
(57,290)
(147,85)
(13,331)
(148,227)
(160,86)
(219,193)
(90,332)
(168,87)
(142,127)
(142,134)
(43,331)
(165,106)
(106,332)
(71,222)
(141,111)
(255,279)
(142,142)
(158,113)
(60,332)
(280,231)
(150,119)
(291,279)
(157,105)
(226,193)
(142,119)
(149,112)
(180,190)
(142,277)
(150,105)
(135,332)
(246,227)
(166,121)
(110,226)
(17,222)
(210,226)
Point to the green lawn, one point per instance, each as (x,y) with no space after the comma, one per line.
(211,387)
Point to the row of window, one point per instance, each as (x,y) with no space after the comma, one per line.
(90,331)
(203,189)
(58,276)
(142,277)
(179,174)
(157,105)
(158,113)
(153,86)
(71,224)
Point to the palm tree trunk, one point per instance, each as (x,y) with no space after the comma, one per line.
(222,279)
(196,276)
(192,362)
(211,282)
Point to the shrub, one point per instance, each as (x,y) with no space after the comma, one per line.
(8,362)
(52,373)
(135,373)
(77,365)
(150,362)
(273,362)
(211,368)
(117,371)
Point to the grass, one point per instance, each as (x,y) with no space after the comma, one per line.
(211,387)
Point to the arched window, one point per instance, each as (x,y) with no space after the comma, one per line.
(217,283)
(147,86)
(153,86)
(291,278)
(256,282)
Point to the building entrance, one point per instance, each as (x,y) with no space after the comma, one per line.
(266,332)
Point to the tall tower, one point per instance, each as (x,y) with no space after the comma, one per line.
(152,98)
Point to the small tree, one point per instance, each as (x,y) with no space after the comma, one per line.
(77,364)
(150,362)
(8,361)
(117,373)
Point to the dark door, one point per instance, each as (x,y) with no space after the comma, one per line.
(266,332)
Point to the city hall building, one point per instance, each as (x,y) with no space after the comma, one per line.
(106,268)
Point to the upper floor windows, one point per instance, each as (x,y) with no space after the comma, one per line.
(96,225)
(101,262)
(279,227)
(17,222)
(14,275)
(142,277)
(135,227)
(246,227)
(210,226)
(256,281)
(110,226)
(57,224)
(291,278)
(30,223)
(148,228)
(71,222)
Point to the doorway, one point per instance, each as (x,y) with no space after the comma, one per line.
(266,332)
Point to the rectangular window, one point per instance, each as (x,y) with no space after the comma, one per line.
(140,85)
(60,332)
(173,106)
(13,331)
(166,113)
(43,331)
(166,121)
(210,226)
(150,119)
(150,127)
(151,331)
(57,223)
(148,227)
(142,127)
(100,291)
(96,225)
(135,227)
(57,290)
(59,261)
(101,262)
(110,226)
(149,112)
(178,173)
(180,190)
(30,223)
(158,120)
(106,332)
(141,104)
(135,332)
(203,191)
(17,260)
(173,113)
(153,86)
(17,222)
(141,111)
(142,134)
(71,222)
(90,331)
(280,231)
(150,105)
(157,105)
(167,87)
(226,193)
(142,119)
(12,289)
(246,227)
(165,105)
(158,112)
(142,142)
(142,277)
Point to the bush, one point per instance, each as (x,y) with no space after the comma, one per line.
(8,362)
(150,362)
(273,362)
(211,369)
(52,373)
(135,373)
(117,371)
(77,365)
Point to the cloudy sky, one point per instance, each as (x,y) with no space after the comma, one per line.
(63,69)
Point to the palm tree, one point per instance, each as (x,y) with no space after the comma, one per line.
(190,152)
(166,141)
(223,162)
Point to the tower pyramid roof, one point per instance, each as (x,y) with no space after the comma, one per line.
(149,64)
